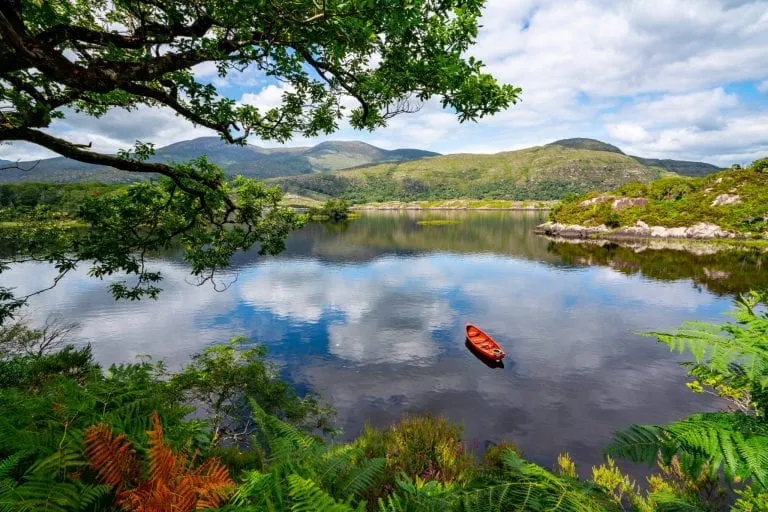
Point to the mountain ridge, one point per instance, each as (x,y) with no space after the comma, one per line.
(683,167)
(551,171)
(249,160)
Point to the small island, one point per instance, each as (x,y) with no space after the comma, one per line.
(728,205)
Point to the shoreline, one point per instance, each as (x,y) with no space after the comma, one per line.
(698,234)
(458,205)
(444,208)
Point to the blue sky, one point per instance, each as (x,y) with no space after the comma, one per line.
(659,78)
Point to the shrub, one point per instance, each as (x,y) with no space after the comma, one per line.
(426,446)
(612,220)
(492,458)
(760,165)
(334,210)
(671,189)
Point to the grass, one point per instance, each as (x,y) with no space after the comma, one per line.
(539,173)
(677,202)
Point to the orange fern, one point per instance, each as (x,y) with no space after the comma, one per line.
(172,485)
(112,456)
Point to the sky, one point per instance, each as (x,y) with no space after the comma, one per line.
(683,79)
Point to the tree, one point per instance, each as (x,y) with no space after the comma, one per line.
(91,56)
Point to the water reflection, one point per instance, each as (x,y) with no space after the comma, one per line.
(373,318)
(490,363)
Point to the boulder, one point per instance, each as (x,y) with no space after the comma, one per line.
(570,230)
(623,203)
(724,199)
(705,230)
(596,200)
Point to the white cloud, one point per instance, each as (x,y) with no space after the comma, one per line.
(628,132)
(269,97)
(653,75)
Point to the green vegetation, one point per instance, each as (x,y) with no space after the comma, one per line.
(335,210)
(678,201)
(731,361)
(24,198)
(437,222)
(78,437)
(56,56)
(540,173)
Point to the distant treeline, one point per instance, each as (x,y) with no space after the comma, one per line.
(60,197)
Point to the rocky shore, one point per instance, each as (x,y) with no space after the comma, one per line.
(700,231)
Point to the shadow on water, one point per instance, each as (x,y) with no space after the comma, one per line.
(723,272)
(490,363)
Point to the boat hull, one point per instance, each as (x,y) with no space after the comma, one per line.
(483,344)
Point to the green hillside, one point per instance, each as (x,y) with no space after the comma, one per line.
(682,167)
(735,200)
(546,172)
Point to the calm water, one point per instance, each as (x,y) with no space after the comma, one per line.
(371,315)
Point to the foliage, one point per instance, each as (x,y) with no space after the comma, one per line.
(759,165)
(65,198)
(88,57)
(670,490)
(172,484)
(335,210)
(223,379)
(127,225)
(733,358)
(677,201)
(425,446)
(18,338)
(542,173)
(51,400)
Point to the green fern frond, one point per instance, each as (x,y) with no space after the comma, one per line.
(307,496)
(737,443)
(273,429)
(363,476)
(8,463)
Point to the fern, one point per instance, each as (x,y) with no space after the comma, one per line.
(734,349)
(735,442)
(307,496)
(172,483)
(733,359)
(40,488)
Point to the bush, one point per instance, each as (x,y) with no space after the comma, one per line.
(612,220)
(335,210)
(671,189)
(760,165)
(425,446)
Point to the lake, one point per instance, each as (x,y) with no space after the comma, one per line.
(371,315)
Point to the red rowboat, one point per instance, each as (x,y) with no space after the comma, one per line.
(484,343)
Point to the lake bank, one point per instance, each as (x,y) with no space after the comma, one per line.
(700,233)
(459,204)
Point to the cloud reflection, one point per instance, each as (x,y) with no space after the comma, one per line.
(383,336)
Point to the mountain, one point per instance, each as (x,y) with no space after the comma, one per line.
(249,160)
(682,167)
(543,172)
